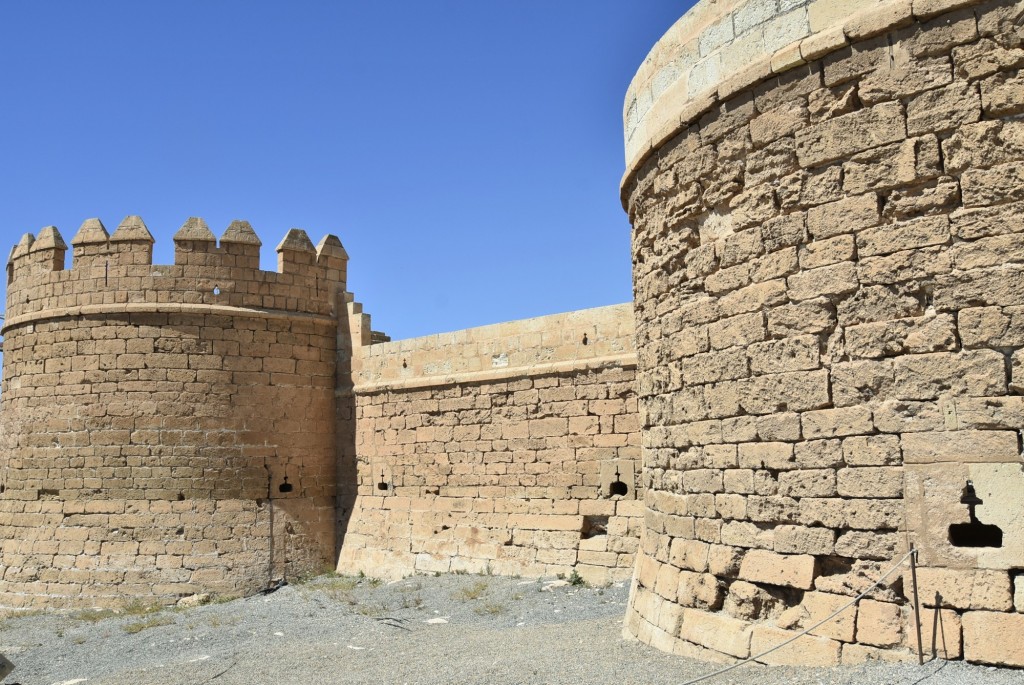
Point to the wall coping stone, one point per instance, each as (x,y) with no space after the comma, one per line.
(685,73)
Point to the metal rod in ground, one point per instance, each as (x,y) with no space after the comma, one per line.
(917,604)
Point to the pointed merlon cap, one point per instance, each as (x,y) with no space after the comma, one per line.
(49,239)
(24,246)
(195,229)
(330,246)
(240,232)
(296,240)
(91,231)
(132,229)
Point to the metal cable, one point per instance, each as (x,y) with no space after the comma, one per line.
(806,630)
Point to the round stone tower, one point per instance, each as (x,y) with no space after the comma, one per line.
(169,429)
(828,262)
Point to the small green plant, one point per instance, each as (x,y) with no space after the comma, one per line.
(78,640)
(152,622)
(490,608)
(576,580)
(93,615)
(414,602)
(474,591)
(373,610)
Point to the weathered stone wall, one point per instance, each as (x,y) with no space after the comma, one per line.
(494,450)
(150,412)
(829,278)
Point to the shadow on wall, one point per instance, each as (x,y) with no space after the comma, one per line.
(345,412)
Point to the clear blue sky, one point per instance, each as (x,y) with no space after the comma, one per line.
(466,152)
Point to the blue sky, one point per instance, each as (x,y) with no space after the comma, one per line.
(467,153)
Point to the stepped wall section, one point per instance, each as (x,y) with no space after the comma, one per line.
(495,449)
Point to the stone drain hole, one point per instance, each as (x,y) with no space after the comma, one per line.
(975,533)
(593,526)
(383,484)
(585,339)
(617,487)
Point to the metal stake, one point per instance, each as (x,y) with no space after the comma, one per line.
(917,605)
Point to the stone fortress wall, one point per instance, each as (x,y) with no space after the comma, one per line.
(829,288)
(151,411)
(210,427)
(495,449)
(829,316)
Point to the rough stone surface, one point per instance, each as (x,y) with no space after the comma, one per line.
(871,366)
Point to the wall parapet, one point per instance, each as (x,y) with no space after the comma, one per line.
(591,337)
(118,269)
(721,47)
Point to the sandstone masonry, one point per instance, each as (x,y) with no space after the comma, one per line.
(828,270)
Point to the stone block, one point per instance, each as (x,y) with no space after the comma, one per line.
(780,392)
(858,382)
(875,514)
(857,654)
(911,161)
(941,633)
(808,483)
(1002,95)
(716,631)
(876,450)
(905,78)
(870,482)
(994,638)
(904,235)
(965,589)
(831,423)
(928,376)
(805,651)
(849,134)
(804,540)
(770,455)
(982,145)
(797,353)
(834,280)
(818,606)
(1001,183)
(810,316)
(841,248)
(848,215)
(960,446)
(943,109)
(738,330)
(902,336)
(874,545)
(879,623)
(762,566)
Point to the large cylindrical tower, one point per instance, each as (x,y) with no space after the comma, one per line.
(829,275)
(170,430)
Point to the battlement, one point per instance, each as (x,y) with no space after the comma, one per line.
(114,269)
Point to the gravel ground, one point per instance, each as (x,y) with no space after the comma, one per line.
(448,629)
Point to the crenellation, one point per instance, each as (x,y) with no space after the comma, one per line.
(118,269)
